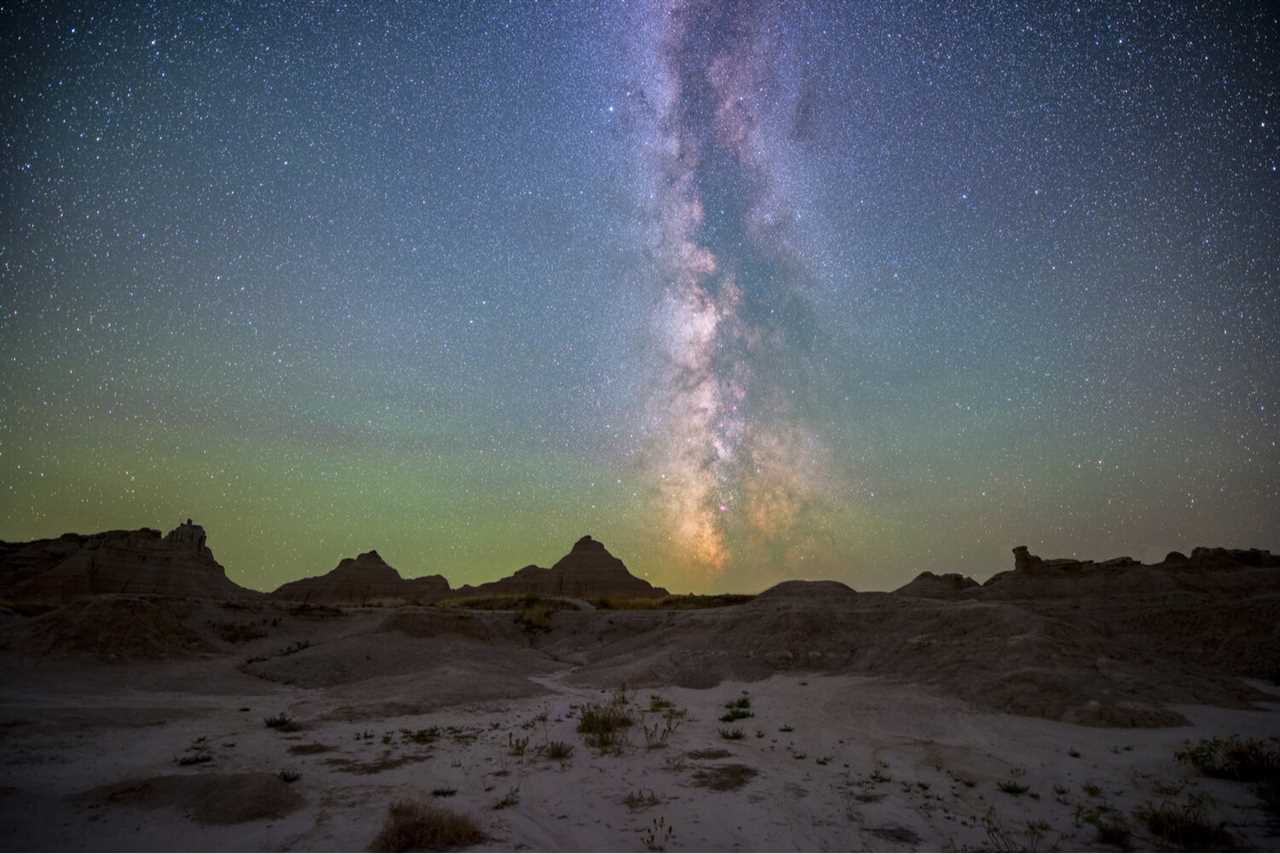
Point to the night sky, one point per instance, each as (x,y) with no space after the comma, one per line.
(745,291)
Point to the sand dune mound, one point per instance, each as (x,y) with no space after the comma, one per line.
(207,798)
(425,643)
(111,628)
(807,590)
(361,580)
(140,562)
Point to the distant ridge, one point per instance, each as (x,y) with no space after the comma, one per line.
(1034,577)
(588,571)
(363,579)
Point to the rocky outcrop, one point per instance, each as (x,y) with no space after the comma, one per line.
(1206,570)
(929,585)
(114,562)
(588,571)
(361,580)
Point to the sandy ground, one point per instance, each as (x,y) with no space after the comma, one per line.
(826,763)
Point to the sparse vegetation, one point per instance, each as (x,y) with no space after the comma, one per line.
(1113,830)
(1247,760)
(517,746)
(723,778)
(736,710)
(657,734)
(425,735)
(1186,825)
(710,753)
(641,799)
(1093,790)
(603,724)
(282,723)
(443,793)
(786,728)
(412,826)
(658,835)
(558,750)
(733,734)
(998,839)
(289,776)
(1253,760)
(510,799)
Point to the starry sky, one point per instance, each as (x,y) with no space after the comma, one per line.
(747,291)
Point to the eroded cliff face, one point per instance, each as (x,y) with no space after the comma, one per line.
(179,563)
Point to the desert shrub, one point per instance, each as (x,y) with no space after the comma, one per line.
(425,735)
(728,734)
(723,778)
(602,723)
(1247,760)
(411,826)
(737,710)
(1012,787)
(1186,825)
(282,722)
(517,746)
(659,703)
(510,799)
(641,799)
(288,775)
(443,792)
(558,750)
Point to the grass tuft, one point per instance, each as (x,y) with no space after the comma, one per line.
(1186,825)
(412,826)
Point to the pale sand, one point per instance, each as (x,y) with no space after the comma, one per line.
(64,732)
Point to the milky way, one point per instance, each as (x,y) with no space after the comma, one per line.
(746,291)
(718,116)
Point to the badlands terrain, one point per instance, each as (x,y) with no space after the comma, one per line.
(148,703)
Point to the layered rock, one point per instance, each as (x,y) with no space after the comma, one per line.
(363,579)
(115,562)
(588,571)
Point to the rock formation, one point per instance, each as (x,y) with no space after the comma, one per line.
(361,580)
(929,585)
(588,571)
(1206,569)
(114,562)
